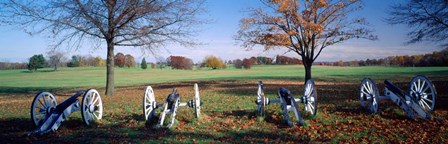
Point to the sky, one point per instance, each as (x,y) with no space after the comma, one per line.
(217,36)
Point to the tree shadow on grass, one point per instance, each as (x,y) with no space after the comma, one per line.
(269,117)
(259,136)
(441,88)
(240,113)
(326,93)
(15,130)
(184,84)
(33,90)
(38,71)
(137,117)
(250,89)
(73,131)
(262,78)
(10,90)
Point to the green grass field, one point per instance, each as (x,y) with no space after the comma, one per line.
(64,78)
(228,110)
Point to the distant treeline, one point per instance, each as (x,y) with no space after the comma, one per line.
(277,60)
(84,61)
(75,61)
(59,60)
(439,58)
(260,60)
(184,63)
(15,65)
(424,60)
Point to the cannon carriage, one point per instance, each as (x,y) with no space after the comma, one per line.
(288,102)
(418,102)
(166,117)
(48,116)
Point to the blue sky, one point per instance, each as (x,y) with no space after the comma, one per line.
(17,46)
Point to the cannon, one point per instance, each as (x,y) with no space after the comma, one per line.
(288,102)
(418,102)
(47,115)
(169,108)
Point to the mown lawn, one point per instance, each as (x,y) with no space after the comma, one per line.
(13,81)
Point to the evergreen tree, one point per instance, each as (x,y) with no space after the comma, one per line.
(144,65)
(74,62)
(35,62)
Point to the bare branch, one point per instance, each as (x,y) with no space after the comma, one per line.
(427,20)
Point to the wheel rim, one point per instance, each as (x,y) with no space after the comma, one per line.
(43,104)
(92,106)
(260,99)
(423,92)
(149,102)
(310,97)
(285,111)
(296,111)
(197,106)
(369,95)
(163,115)
(173,115)
(169,111)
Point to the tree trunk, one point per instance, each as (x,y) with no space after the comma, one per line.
(110,68)
(307,72)
(55,67)
(307,63)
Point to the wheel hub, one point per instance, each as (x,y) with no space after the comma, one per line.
(91,108)
(417,96)
(368,96)
(48,110)
(304,100)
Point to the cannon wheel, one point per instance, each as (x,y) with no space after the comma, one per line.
(42,105)
(172,113)
(197,101)
(285,111)
(295,109)
(91,107)
(423,92)
(149,102)
(310,97)
(261,100)
(369,95)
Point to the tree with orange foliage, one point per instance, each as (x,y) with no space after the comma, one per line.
(305,27)
(213,62)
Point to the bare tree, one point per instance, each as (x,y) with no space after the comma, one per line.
(428,20)
(162,62)
(56,58)
(138,23)
(305,27)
